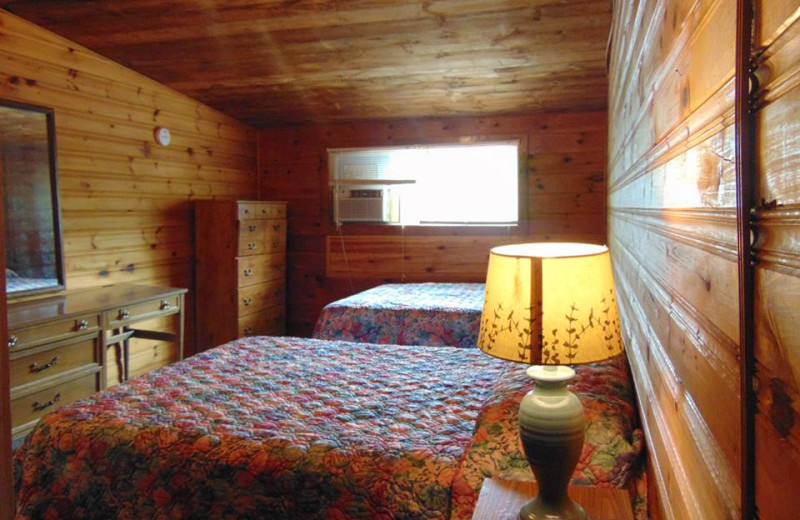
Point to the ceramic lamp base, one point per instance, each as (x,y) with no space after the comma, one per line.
(551,426)
(536,509)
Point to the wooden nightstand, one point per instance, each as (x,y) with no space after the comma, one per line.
(502,499)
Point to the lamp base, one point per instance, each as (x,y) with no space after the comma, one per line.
(551,427)
(536,509)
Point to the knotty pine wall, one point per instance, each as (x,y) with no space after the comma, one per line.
(126,201)
(777,273)
(672,230)
(672,234)
(563,193)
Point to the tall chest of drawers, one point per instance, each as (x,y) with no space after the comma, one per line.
(240,276)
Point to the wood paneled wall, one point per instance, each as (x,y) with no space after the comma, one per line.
(126,201)
(672,232)
(777,272)
(564,197)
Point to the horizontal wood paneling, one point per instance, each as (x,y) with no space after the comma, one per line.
(777,273)
(126,201)
(427,258)
(678,436)
(696,352)
(672,233)
(565,200)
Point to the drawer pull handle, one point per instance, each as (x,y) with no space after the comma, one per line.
(247,302)
(12,341)
(252,245)
(164,305)
(276,227)
(82,325)
(124,314)
(248,331)
(36,367)
(276,243)
(38,407)
(264,211)
(248,272)
(251,227)
(246,211)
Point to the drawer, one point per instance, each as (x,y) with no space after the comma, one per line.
(270,210)
(252,228)
(268,321)
(247,210)
(53,331)
(34,406)
(254,298)
(274,235)
(141,311)
(261,236)
(260,268)
(250,210)
(251,244)
(36,365)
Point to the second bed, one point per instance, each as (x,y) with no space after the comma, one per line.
(434,314)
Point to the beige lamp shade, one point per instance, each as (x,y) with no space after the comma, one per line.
(550,304)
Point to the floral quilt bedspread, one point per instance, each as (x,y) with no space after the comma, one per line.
(446,314)
(278,428)
(290,428)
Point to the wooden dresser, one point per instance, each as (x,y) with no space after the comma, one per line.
(240,277)
(58,345)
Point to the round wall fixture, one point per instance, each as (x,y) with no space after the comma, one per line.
(162,136)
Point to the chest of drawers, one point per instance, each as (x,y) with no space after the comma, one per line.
(58,345)
(240,274)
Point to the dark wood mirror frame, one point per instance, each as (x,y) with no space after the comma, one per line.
(57,246)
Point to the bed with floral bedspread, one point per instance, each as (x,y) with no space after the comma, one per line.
(290,428)
(446,314)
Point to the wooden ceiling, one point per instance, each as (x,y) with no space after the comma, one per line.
(269,62)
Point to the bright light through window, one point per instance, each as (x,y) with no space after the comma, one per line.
(456,184)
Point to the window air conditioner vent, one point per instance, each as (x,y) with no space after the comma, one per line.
(362,205)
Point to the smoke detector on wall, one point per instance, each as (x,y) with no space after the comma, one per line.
(162,136)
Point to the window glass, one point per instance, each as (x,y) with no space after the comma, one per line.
(453,184)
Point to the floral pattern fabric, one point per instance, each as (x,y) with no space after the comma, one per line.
(611,451)
(264,428)
(446,314)
(290,428)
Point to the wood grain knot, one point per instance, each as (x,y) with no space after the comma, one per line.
(780,411)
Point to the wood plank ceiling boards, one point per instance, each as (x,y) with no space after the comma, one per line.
(269,62)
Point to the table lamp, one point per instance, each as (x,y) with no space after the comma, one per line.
(549,305)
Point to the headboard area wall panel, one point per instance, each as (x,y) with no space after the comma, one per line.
(564,174)
(672,233)
(126,201)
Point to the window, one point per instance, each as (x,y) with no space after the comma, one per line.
(444,184)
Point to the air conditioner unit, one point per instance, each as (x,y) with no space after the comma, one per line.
(361,205)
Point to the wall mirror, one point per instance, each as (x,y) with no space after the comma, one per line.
(34,261)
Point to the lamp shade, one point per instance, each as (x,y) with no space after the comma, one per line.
(550,304)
